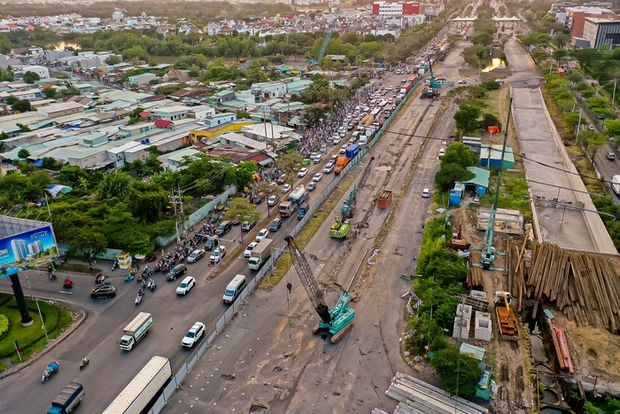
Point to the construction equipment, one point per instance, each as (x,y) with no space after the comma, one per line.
(488,257)
(506,318)
(328,35)
(337,320)
(432,89)
(342,225)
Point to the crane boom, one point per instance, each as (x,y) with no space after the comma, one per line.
(308,281)
(328,36)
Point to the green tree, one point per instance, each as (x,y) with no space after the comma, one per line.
(459,373)
(23,154)
(31,77)
(87,245)
(112,60)
(572,120)
(586,57)
(467,118)
(458,153)
(114,185)
(21,105)
(539,56)
(50,93)
(612,126)
(561,40)
(243,210)
(241,114)
(314,116)
(289,162)
(450,173)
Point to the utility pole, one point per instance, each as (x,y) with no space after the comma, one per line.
(176,199)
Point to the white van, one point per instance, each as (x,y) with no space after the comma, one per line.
(355,135)
(234,288)
(362,140)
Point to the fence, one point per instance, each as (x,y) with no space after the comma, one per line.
(267,268)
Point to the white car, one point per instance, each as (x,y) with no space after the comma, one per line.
(248,250)
(218,254)
(442,152)
(311,186)
(193,335)
(336,140)
(302,172)
(195,256)
(286,188)
(343,149)
(426,193)
(317,177)
(328,168)
(317,158)
(186,285)
(262,234)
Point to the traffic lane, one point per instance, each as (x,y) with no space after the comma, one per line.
(607,168)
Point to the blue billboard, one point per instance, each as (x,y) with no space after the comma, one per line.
(36,245)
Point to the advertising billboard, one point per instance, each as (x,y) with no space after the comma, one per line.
(20,250)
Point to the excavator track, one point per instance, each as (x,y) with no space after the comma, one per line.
(337,337)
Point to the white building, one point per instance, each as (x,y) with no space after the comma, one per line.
(42,71)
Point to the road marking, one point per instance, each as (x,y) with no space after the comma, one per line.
(64,292)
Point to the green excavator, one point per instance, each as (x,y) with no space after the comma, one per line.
(342,224)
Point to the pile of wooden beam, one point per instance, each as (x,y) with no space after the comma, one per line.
(475,278)
(418,397)
(584,286)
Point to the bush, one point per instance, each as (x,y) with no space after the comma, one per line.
(4,325)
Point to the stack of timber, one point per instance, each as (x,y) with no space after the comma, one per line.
(475,278)
(418,397)
(584,286)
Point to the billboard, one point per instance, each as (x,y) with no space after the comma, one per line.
(22,249)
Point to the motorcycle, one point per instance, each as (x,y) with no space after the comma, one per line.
(139,297)
(100,278)
(68,283)
(51,369)
(129,277)
(114,264)
(158,266)
(85,361)
(52,275)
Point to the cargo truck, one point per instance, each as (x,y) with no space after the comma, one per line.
(144,389)
(260,254)
(303,209)
(68,399)
(404,90)
(352,151)
(136,331)
(615,184)
(298,196)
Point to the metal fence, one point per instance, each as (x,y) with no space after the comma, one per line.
(265,271)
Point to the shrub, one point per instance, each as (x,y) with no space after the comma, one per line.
(4,325)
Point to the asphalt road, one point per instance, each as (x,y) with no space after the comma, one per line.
(269,357)
(97,338)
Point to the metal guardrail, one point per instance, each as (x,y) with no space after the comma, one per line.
(266,269)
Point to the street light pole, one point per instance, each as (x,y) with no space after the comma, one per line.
(37,302)
(613,95)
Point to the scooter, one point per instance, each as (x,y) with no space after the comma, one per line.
(68,283)
(129,277)
(100,278)
(85,361)
(114,264)
(52,275)
(51,369)
(139,297)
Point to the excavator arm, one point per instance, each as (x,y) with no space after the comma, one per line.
(308,280)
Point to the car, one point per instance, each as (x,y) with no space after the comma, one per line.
(212,243)
(311,186)
(342,135)
(329,167)
(302,172)
(218,254)
(272,200)
(247,253)
(390,88)
(178,270)
(286,188)
(281,179)
(186,285)
(193,335)
(317,158)
(611,156)
(275,224)
(195,256)
(262,235)
(336,140)
(462,82)
(343,149)
(426,193)
(248,225)
(317,177)
(258,198)
(442,152)
(333,159)
(590,128)
(223,228)
(103,291)
(350,127)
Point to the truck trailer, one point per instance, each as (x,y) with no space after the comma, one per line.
(136,331)
(260,254)
(68,399)
(615,184)
(143,389)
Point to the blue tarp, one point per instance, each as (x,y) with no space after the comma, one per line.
(38,163)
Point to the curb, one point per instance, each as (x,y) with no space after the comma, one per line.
(53,342)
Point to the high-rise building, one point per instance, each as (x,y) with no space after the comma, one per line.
(19,248)
(382,8)
(35,247)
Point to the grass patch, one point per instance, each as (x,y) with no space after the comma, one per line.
(283,264)
(31,338)
(514,194)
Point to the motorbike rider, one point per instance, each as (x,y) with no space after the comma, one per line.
(140,292)
(68,281)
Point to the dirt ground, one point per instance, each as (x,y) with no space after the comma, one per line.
(594,351)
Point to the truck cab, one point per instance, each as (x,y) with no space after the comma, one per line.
(303,209)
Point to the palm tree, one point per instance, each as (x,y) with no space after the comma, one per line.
(114,185)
